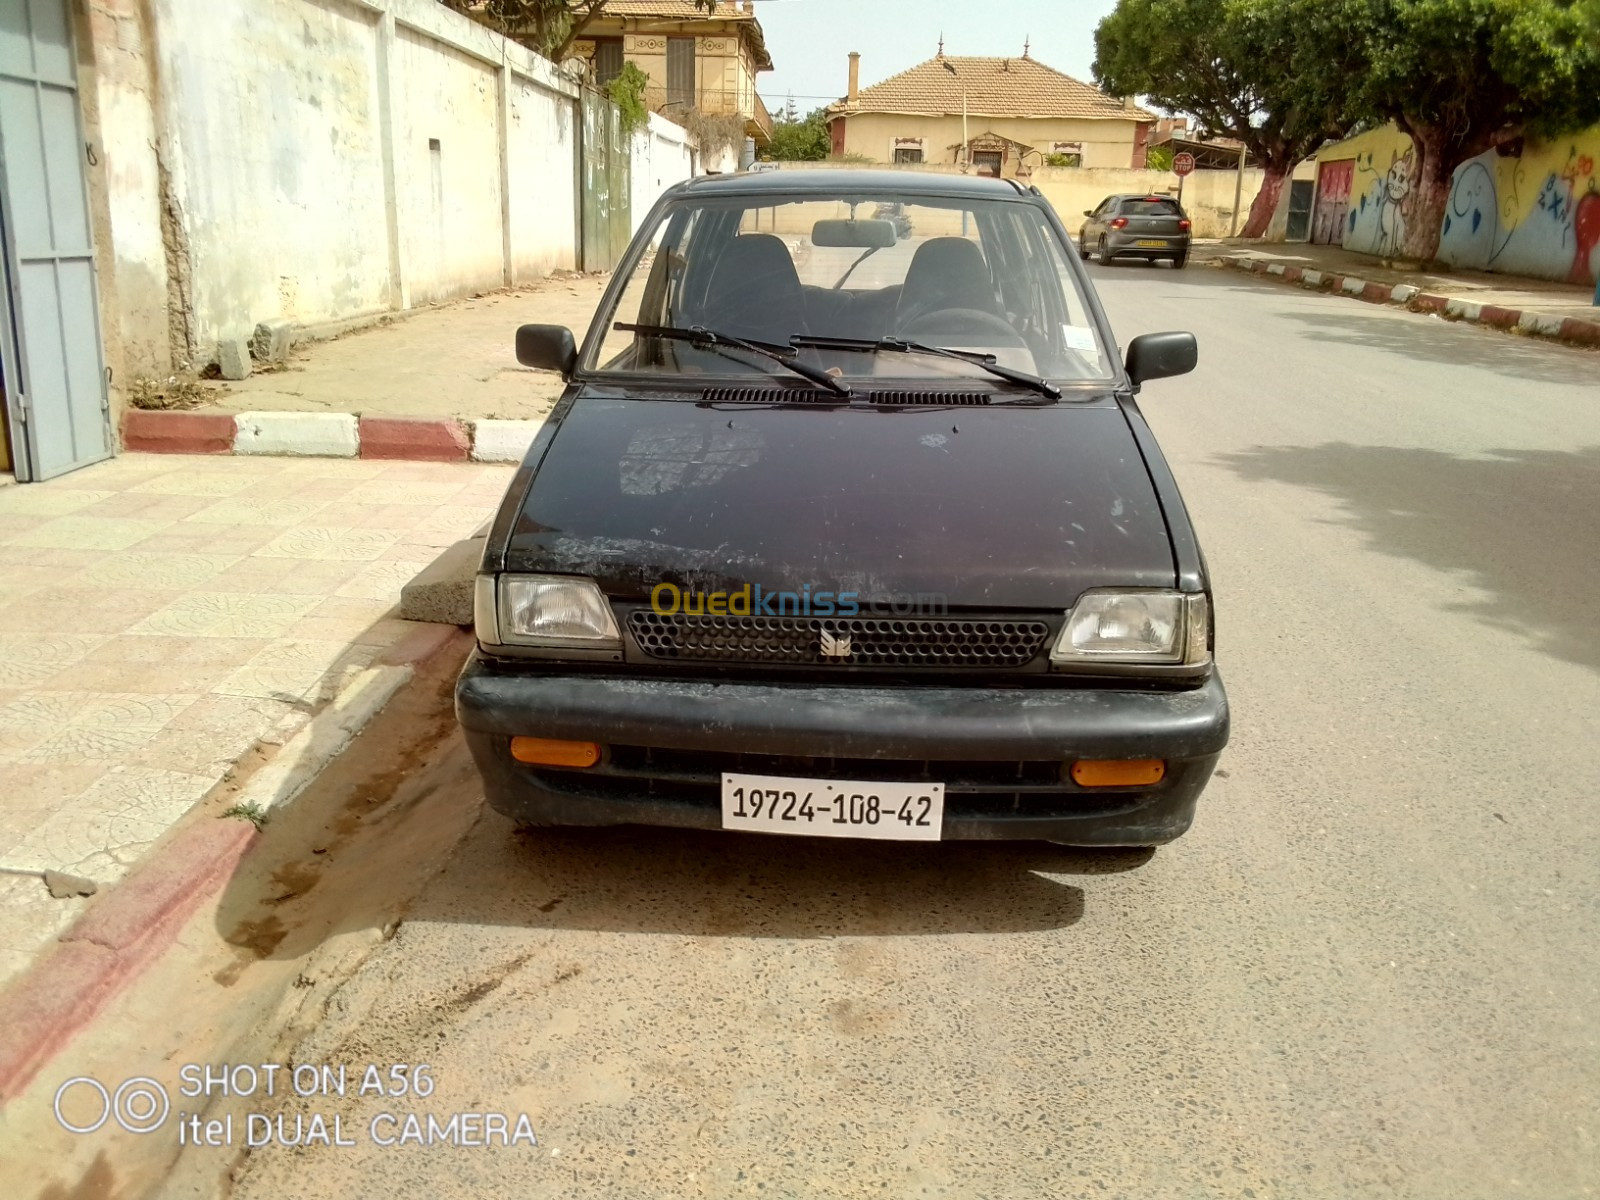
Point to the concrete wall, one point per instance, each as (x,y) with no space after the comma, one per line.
(1536,212)
(1207,195)
(1106,142)
(662,156)
(321,160)
(284,216)
(120,100)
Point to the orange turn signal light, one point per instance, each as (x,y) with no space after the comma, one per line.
(551,752)
(1118,772)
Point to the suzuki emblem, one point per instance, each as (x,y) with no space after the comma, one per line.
(835,645)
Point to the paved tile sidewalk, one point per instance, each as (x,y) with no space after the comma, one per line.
(159,614)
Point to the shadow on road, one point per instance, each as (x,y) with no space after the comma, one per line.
(1433,339)
(703,884)
(1520,524)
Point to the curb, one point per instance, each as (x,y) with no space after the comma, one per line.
(135,921)
(1575,331)
(327,435)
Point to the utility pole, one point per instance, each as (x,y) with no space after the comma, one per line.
(1238,191)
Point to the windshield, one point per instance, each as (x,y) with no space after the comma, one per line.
(988,276)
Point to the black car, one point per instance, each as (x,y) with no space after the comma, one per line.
(898,559)
(1136,226)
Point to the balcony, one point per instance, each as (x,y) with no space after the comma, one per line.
(715,102)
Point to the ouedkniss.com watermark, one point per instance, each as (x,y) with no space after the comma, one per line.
(753,600)
(144,1105)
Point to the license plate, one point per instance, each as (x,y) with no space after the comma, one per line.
(899,812)
(1151,242)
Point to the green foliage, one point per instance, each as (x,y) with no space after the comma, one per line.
(546,26)
(801,140)
(1063,160)
(627,93)
(1159,158)
(1459,76)
(1267,72)
(1473,73)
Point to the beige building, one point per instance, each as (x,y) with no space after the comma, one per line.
(1005,116)
(706,60)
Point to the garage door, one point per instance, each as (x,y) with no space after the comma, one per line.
(50,353)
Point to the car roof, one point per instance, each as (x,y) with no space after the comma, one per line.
(1142,196)
(901,183)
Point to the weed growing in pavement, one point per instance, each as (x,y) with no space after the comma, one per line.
(251,812)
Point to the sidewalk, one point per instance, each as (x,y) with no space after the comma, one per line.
(454,360)
(162,615)
(1562,311)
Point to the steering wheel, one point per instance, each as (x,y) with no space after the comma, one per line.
(946,323)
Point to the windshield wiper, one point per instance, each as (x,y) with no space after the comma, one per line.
(784,356)
(976,357)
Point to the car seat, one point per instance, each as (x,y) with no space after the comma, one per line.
(754,292)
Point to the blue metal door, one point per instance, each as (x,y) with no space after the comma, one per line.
(50,351)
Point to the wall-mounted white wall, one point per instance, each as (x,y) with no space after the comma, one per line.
(321,160)
(662,156)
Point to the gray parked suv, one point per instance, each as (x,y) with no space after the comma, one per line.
(1136,225)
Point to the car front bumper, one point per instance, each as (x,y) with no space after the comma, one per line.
(668,741)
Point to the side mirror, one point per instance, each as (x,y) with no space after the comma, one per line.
(1158,355)
(547,347)
(1088,212)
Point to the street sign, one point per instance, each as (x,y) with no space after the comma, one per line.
(1182,164)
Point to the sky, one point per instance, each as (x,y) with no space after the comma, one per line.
(810,40)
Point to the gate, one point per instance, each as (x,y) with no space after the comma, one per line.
(606,203)
(1299,227)
(1333,199)
(50,352)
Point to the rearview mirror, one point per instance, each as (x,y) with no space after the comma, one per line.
(859,235)
(1158,355)
(547,347)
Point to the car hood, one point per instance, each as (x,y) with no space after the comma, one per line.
(996,507)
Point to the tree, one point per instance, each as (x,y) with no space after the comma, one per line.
(1267,72)
(805,140)
(546,26)
(1461,77)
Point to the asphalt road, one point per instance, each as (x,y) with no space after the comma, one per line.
(1369,971)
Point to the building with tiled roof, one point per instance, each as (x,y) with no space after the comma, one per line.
(1000,115)
(695,58)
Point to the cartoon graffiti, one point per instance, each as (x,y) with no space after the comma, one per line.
(1376,224)
(1496,220)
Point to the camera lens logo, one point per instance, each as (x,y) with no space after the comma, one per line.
(140,1105)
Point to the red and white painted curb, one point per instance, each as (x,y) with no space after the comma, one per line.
(131,924)
(1577,331)
(327,435)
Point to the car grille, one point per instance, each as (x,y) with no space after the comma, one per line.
(839,641)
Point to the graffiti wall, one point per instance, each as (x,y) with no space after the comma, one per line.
(1381,167)
(1537,213)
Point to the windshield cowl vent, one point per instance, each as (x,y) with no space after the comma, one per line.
(939,398)
(770,395)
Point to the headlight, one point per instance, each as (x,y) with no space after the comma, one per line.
(544,610)
(1160,628)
